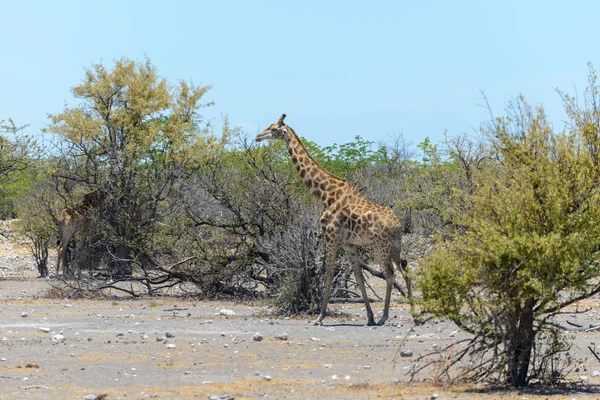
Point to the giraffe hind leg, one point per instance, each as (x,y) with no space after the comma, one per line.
(388,271)
(352,253)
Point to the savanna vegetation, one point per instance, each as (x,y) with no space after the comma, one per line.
(502,227)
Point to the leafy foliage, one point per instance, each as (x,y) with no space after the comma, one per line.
(18,152)
(529,244)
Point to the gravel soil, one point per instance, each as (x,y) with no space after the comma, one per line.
(168,348)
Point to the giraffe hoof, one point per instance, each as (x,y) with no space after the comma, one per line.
(371,323)
(318,323)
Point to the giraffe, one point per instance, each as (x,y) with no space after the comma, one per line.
(349,221)
(79,218)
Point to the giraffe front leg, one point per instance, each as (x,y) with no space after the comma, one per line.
(330,253)
(65,238)
(326,293)
(58,258)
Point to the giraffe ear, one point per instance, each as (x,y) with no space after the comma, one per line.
(280,122)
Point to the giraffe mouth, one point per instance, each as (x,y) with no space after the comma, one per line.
(264,136)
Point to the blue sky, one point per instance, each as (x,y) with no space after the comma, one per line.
(337,68)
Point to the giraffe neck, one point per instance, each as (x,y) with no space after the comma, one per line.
(322,184)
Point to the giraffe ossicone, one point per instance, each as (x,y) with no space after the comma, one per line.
(349,221)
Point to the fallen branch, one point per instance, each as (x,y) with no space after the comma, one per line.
(35,387)
(346,300)
(592,328)
(379,274)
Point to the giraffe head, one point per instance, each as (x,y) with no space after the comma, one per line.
(277,130)
(94,199)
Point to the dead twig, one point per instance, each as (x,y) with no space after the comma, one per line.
(593,328)
(574,324)
(594,353)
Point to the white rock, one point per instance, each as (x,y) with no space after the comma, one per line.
(24,315)
(281,336)
(257,337)
(45,330)
(171,346)
(267,377)
(315,339)
(58,338)
(93,397)
(406,353)
(226,312)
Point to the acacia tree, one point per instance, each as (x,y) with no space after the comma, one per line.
(15,148)
(136,137)
(528,245)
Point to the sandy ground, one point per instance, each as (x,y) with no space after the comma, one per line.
(165,348)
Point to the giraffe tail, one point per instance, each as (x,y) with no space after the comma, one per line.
(397,256)
(401,263)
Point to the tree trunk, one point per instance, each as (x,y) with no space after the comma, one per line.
(521,345)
